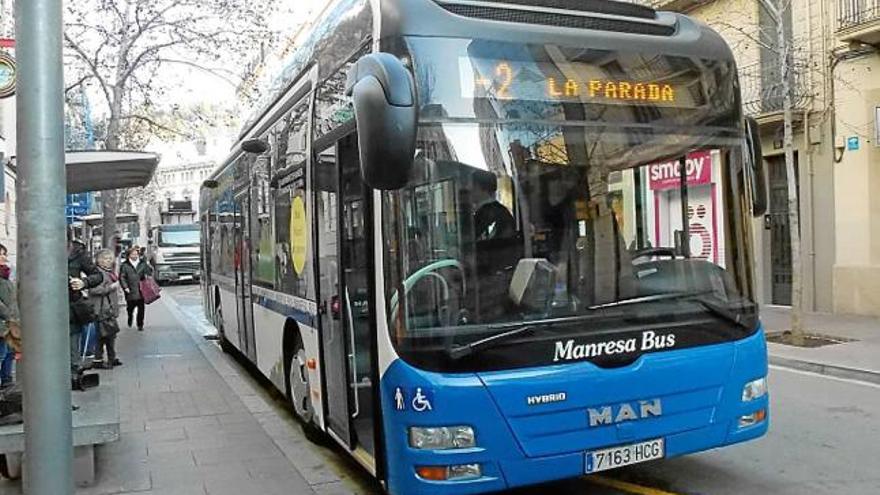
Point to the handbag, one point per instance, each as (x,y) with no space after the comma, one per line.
(106,312)
(149,290)
(107,324)
(108,328)
(13,335)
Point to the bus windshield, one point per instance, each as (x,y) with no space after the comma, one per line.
(569,226)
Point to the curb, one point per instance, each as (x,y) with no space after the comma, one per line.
(861,375)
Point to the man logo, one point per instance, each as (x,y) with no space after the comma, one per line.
(607,415)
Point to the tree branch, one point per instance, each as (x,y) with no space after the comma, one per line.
(215,72)
(92,65)
(78,83)
(152,123)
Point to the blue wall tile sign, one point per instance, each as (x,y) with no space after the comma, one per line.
(852,143)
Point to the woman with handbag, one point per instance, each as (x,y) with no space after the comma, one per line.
(133,271)
(105,299)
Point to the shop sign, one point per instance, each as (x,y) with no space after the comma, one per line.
(7,75)
(666,175)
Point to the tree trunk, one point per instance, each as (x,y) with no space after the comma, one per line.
(108,209)
(785,61)
(109,204)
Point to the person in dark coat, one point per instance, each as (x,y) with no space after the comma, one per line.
(82,274)
(492,220)
(132,272)
(105,300)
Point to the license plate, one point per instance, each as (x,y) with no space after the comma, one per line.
(186,277)
(624,455)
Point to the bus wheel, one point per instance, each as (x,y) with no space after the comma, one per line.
(298,383)
(221,332)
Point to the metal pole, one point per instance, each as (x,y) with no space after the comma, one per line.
(41,189)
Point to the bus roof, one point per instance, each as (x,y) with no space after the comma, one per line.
(600,24)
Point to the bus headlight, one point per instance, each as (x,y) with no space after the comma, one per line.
(441,437)
(755,389)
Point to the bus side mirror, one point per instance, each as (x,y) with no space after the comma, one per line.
(755,164)
(386,111)
(256,146)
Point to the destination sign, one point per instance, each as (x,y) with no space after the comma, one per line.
(573,82)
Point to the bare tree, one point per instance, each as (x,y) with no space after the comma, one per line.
(778,10)
(122,48)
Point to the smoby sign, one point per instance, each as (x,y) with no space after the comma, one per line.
(667,175)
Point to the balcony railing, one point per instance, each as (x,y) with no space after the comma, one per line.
(670,5)
(851,13)
(761,87)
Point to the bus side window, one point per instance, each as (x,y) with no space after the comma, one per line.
(263,251)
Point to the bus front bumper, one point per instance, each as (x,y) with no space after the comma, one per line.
(513,447)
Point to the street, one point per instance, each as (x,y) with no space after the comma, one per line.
(822,440)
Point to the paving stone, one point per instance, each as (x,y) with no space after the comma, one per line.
(205,457)
(165,434)
(335,488)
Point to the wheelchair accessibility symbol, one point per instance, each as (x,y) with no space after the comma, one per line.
(421,401)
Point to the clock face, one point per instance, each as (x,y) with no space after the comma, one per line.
(7,75)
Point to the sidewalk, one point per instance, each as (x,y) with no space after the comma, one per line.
(859,359)
(191,424)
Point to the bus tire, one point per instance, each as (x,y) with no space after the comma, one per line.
(299,391)
(221,331)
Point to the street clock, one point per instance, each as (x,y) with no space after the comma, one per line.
(7,75)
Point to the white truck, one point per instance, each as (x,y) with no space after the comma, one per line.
(173,246)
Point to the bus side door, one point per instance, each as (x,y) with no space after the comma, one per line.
(344,304)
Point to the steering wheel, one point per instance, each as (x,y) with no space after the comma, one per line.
(657,251)
(430,270)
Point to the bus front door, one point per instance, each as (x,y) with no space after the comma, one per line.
(342,210)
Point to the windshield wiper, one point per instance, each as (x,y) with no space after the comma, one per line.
(461,351)
(641,299)
(697,297)
(718,310)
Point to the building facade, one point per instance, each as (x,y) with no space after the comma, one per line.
(834,72)
(181,182)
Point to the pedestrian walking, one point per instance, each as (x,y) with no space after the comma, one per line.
(105,300)
(9,319)
(132,272)
(82,275)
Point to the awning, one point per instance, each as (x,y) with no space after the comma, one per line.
(98,219)
(103,170)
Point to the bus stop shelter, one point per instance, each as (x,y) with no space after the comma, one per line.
(103,170)
(96,421)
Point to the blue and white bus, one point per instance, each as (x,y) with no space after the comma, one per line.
(485,244)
